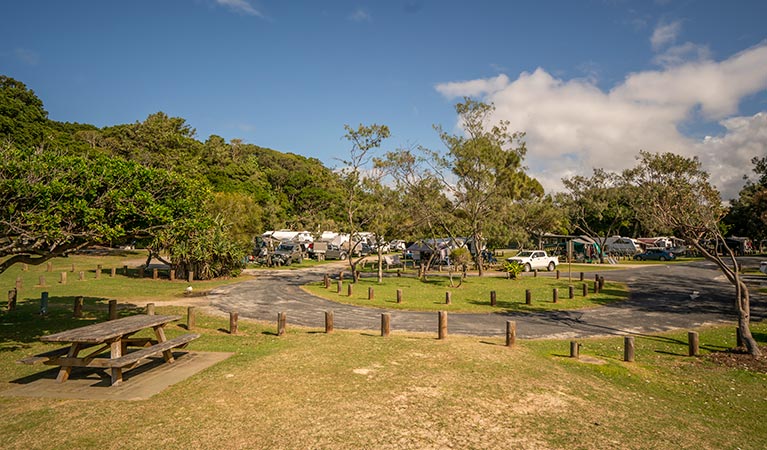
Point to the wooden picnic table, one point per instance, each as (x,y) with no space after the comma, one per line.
(116,336)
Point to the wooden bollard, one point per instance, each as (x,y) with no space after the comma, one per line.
(63,278)
(528,297)
(190,318)
(596,287)
(172,275)
(113,272)
(19,284)
(77,309)
(399,295)
(81,276)
(155,273)
(339,284)
(112,309)
(585,290)
(282,320)
(125,270)
(233,318)
(341,276)
(581,276)
(492,298)
(442,325)
(43,303)
(326,281)
(349,289)
(328,321)
(399,273)
(24,267)
(557,274)
(448,298)
(511,333)
(150,309)
(574,349)
(73,268)
(371,294)
(628,348)
(535,273)
(49,267)
(42,280)
(12,295)
(571,291)
(98,271)
(190,278)
(385,324)
(693,343)
(555,295)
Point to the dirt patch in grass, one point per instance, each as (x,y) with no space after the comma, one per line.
(740,359)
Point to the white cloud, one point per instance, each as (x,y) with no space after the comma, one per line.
(664,34)
(678,54)
(573,126)
(27,56)
(360,15)
(241,6)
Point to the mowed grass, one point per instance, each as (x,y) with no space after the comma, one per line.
(309,389)
(123,287)
(473,295)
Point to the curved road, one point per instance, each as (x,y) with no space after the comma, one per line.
(662,297)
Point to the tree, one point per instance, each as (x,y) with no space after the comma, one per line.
(598,205)
(486,172)
(23,120)
(748,213)
(53,204)
(365,139)
(534,217)
(673,193)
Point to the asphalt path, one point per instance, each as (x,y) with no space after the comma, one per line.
(662,298)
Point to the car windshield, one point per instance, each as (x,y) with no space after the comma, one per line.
(524,254)
(287,247)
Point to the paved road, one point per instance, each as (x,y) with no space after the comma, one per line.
(662,298)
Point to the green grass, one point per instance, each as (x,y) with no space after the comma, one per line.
(472,296)
(358,390)
(124,288)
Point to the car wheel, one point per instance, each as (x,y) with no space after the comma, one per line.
(662,258)
(552,266)
(343,256)
(527,268)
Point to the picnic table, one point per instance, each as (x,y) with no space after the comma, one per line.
(115,336)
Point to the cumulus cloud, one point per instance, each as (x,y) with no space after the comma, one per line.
(664,34)
(573,126)
(360,15)
(240,6)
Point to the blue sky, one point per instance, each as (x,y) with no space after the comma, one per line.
(591,82)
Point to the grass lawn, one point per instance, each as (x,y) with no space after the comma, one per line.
(473,295)
(124,288)
(357,390)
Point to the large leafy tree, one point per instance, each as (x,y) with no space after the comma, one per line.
(23,120)
(482,170)
(52,204)
(598,205)
(673,193)
(748,212)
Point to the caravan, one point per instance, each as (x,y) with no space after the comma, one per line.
(621,246)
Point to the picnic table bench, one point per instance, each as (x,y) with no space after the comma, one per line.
(115,336)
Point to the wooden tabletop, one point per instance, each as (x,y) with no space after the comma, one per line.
(107,331)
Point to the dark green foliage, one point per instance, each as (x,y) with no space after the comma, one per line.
(23,121)
(748,213)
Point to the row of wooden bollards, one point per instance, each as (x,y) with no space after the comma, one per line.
(63,276)
(693,346)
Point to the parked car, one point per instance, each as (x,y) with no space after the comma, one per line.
(536,259)
(763,267)
(287,253)
(655,254)
(336,252)
(397,245)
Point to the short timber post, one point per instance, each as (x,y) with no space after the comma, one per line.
(628,351)
(43,303)
(511,333)
(557,274)
(341,276)
(693,343)
(574,349)
(339,285)
(190,318)
(442,325)
(172,275)
(399,295)
(78,307)
(155,273)
(233,318)
(112,309)
(448,297)
(63,279)
(98,271)
(19,284)
(555,295)
(385,324)
(326,281)
(150,309)
(535,273)
(12,294)
(328,322)
(191,277)
(113,272)
(585,290)
(49,267)
(371,294)
(571,291)
(581,276)
(528,297)
(492,298)
(42,280)
(282,321)
(81,276)
(349,289)
(125,270)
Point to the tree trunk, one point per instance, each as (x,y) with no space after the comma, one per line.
(380,264)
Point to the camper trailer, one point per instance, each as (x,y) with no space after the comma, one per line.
(617,245)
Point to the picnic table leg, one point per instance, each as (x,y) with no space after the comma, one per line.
(66,370)
(116,352)
(160,332)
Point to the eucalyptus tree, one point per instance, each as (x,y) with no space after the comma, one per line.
(748,213)
(598,205)
(365,139)
(482,170)
(673,193)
